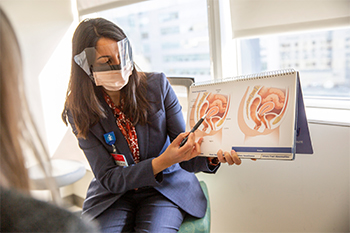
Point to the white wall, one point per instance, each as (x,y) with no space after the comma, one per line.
(309,194)
(44,29)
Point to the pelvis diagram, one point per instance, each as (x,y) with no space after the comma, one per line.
(262,110)
(215,106)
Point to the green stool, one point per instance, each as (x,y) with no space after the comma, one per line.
(198,225)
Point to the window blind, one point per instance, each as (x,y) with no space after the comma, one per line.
(252,18)
(90,6)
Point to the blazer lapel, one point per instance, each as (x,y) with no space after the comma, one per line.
(142,132)
(121,144)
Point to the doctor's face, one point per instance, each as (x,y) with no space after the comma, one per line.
(107,54)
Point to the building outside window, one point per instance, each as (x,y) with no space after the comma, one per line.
(322,58)
(172,37)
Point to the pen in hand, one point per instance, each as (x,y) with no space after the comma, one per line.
(195,127)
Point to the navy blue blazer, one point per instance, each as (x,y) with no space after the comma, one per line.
(178,183)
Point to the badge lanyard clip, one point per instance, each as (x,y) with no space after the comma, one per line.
(110,140)
(119,159)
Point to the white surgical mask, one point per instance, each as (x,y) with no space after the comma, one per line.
(113,80)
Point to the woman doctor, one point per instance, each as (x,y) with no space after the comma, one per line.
(129,125)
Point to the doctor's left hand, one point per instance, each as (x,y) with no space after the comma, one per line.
(229,157)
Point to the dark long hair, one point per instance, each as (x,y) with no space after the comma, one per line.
(82,95)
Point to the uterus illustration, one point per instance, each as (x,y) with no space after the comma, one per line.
(215,107)
(262,110)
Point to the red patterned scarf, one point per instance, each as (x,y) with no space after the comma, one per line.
(126,127)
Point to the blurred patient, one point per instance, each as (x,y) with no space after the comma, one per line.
(19,137)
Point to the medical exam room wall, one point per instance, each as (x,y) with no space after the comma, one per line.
(310,194)
(44,29)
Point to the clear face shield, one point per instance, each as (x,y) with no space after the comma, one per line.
(109,65)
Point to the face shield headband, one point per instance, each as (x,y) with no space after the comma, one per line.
(100,60)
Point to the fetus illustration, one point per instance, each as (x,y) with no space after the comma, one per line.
(215,106)
(262,109)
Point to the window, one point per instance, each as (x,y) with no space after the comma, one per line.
(166,36)
(170,30)
(173,37)
(322,58)
(168,16)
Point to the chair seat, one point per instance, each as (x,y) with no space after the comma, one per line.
(198,225)
(65,172)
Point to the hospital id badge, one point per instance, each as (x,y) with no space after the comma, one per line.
(120,159)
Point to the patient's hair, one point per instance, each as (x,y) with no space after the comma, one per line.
(19,136)
(12,169)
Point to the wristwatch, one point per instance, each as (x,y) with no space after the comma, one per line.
(213,161)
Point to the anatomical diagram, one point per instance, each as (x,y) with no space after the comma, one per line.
(215,107)
(262,110)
